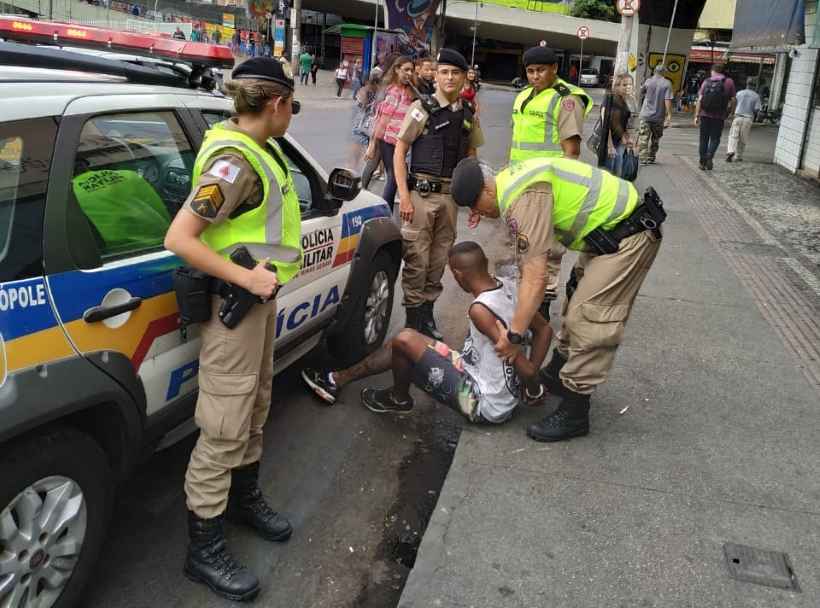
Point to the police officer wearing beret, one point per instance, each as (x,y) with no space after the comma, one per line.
(552,201)
(439,131)
(548,121)
(243,193)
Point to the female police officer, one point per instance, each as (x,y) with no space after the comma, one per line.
(243,193)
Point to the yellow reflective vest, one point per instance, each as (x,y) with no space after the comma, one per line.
(277,220)
(535,121)
(584,197)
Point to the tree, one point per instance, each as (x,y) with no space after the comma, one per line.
(603,10)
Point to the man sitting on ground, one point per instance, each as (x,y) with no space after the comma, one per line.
(474,382)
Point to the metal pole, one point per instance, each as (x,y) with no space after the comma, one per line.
(669,33)
(475,32)
(375,32)
(581,63)
(324,27)
(296,31)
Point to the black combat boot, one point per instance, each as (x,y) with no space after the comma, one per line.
(413,317)
(550,374)
(209,562)
(427,322)
(571,419)
(247,505)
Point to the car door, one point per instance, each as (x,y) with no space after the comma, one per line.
(124,174)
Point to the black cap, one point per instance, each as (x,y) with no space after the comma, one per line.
(540,55)
(451,57)
(467,182)
(265,68)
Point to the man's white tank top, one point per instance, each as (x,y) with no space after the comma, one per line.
(499,385)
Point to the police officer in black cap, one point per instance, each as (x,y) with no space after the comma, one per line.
(243,193)
(439,132)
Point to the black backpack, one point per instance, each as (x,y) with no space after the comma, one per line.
(714,97)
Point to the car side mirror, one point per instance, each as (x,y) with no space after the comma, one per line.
(344,184)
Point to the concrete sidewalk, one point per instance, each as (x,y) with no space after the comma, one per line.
(706,433)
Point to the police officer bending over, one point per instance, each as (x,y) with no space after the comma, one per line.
(243,194)
(439,132)
(551,201)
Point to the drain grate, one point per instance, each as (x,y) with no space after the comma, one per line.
(770,568)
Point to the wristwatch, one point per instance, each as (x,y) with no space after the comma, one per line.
(515,338)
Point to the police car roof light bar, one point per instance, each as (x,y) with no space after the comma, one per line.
(148,45)
(23,55)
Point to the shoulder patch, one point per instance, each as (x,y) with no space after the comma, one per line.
(224,170)
(563,90)
(568,104)
(208,200)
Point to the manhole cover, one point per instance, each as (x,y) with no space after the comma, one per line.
(770,568)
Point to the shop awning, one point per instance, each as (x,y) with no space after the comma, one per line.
(769,24)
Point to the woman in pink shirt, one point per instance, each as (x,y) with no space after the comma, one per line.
(397,100)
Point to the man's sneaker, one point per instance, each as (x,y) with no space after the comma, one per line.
(730,157)
(709,164)
(702,165)
(382,401)
(321,384)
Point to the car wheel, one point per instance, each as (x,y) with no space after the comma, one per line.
(371,314)
(55,501)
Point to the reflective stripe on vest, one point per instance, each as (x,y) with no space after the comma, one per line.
(540,140)
(581,202)
(276,221)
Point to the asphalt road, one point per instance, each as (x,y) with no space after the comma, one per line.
(358,487)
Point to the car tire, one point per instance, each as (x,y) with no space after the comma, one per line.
(370,318)
(67,473)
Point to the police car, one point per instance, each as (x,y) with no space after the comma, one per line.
(94,371)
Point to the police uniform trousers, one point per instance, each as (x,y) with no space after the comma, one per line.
(235,377)
(426,245)
(593,319)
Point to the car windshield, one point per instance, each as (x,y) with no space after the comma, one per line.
(589,72)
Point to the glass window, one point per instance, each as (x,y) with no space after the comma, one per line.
(25,159)
(305,179)
(132,173)
(212,117)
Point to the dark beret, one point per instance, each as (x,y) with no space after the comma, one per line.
(539,55)
(451,57)
(265,68)
(467,182)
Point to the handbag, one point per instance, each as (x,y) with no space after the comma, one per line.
(629,166)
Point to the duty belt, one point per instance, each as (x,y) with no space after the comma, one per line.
(647,216)
(425,187)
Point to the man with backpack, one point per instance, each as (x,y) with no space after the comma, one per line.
(716,100)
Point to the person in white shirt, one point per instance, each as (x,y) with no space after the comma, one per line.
(748,104)
(474,382)
(341,77)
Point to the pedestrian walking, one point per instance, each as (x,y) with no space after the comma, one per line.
(469,92)
(656,114)
(342,74)
(425,68)
(243,193)
(364,112)
(748,104)
(178,34)
(544,201)
(716,100)
(398,96)
(314,69)
(548,122)
(305,62)
(548,116)
(438,135)
(357,74)
(616,137)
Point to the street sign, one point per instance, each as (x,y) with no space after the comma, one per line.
(628,8)
(583,32)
